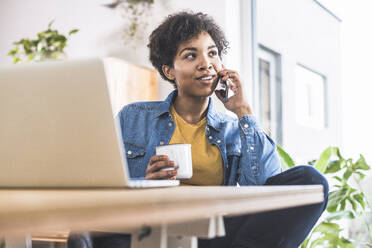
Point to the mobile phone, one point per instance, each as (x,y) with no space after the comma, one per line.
(223,88)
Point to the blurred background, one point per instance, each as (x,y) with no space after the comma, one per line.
(356,40)
(304,63)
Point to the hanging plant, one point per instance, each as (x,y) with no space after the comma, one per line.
(134,13)
(49,44)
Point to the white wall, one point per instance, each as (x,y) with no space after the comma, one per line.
(101,28)
(302,32)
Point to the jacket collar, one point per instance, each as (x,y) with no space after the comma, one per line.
(164,106)
(213,117)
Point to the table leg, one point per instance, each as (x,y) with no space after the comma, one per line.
(183,235)
(206,228)
(220,226)
(18,242)
(183,241)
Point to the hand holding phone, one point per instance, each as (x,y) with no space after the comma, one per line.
(223,88)
(230,92)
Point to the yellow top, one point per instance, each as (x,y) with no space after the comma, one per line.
(207,165)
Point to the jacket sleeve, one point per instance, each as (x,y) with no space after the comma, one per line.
(259,159)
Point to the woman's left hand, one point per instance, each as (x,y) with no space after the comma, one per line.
(237,103)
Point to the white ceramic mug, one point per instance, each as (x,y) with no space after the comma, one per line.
(181,155)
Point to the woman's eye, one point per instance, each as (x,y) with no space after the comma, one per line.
(213,53)
(189,56)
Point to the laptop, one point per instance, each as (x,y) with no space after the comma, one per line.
(58,128)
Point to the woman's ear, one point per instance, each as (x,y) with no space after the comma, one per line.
(168,72)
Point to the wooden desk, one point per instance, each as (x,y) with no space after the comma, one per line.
(27,211)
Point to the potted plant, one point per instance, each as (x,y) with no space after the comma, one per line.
(344,202)
(49,44)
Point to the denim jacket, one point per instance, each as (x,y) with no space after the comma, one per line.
(249,155)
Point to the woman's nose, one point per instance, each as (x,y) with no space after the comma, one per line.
(205,64)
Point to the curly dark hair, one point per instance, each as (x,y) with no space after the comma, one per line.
(177,29)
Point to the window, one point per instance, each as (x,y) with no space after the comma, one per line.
(269,93)
(310,98)
(265,101)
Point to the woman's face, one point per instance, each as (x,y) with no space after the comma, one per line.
(195,66)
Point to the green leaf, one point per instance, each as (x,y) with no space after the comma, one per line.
(59,38)
(347,174)
(333,166)
(319,241)
(31,57)
(340,215)
(43,51)
(360,199)
(349,189)
(332,209)
(335,197)
(326,240)
(304,244)
(361,175)
(321,163)
(50,24)
(73,31)
(328,227)
(18,42)
(329,235)
(285,159)
(41,36)
(353,203)
(13,52)
(362,164)
(346,243)
(49,41)
(338,178)
(16,60)
(343,204)
(338,153)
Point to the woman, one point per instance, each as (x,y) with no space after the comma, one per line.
(186,49)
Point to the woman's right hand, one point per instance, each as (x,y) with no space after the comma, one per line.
(158,162)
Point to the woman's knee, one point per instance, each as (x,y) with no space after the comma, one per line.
(300,175)
(310,175)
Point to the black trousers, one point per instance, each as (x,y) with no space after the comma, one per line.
(286,228)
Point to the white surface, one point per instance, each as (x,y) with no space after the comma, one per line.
(101,29)
(303,32)
(356,77)
(310,98)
